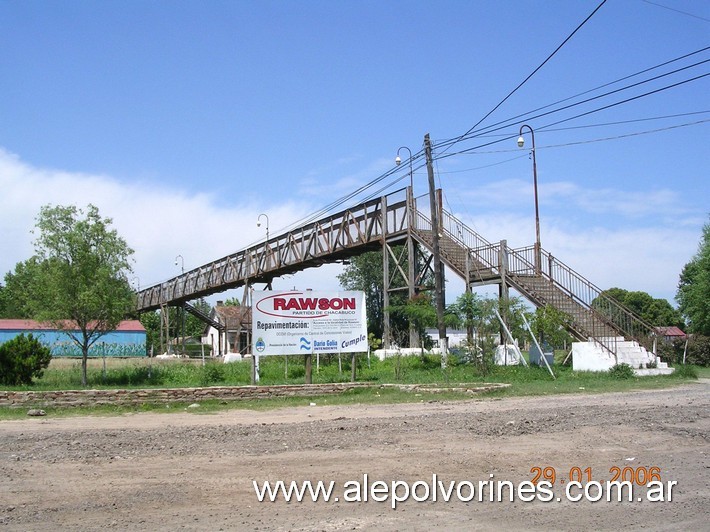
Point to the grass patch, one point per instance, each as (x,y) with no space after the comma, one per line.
(146,373)
(374,395)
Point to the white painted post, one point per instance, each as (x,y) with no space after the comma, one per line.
(510,337)
(527,325)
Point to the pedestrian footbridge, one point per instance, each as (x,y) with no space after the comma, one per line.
(397,218)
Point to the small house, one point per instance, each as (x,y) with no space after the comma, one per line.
(234,332)
(671,334)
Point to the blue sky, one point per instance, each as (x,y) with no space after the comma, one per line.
(183,121)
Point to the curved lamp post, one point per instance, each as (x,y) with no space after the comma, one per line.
(521,143)
(413,337)
(258,224)
(398,161)
(182,263)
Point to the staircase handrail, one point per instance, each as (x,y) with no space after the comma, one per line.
(521,262)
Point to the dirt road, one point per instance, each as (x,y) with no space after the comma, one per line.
(188,471)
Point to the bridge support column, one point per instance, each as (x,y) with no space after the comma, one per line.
(503,295)
(164,329)
(412,263)
(386,333)
(469,315)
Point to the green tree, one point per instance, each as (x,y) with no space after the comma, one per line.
(151,323)
(693,294)
(475,313)
(19,284)
(420,312)
(511,311)
(365,273)
(22,359)
(658,312)
(4,303)
(549,325)
(80,284)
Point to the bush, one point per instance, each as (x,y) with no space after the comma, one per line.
(211,373)
(621,371)
(22,359)
(685,372)
(698,350)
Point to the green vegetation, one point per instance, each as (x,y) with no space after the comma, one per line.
(657,312)
(420,369)
(622,371)
(694,287)
(524,382)
(77,279)
(22,359)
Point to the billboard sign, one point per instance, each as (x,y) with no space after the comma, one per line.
(294,322)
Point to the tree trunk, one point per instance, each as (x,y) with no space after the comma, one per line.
(84,359)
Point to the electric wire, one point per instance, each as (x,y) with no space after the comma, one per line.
(599,87)
(677,10)
(598,109)
(507,123)
(503,124)
(534,71)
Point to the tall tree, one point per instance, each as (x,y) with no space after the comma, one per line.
(693,294)
(475,314)
(80,284)
(19,284)
(658,312)
(365,273)
(549,325)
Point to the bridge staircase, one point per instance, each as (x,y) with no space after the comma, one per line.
(543,280)
(221,327)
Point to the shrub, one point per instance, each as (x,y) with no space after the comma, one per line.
(685,372)
(22,359)
(211,373)
(698,350)
(621,371)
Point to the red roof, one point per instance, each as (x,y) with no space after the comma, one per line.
(670,331)
(32,325)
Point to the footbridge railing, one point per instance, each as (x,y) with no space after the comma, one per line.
(594,314)
(332,238)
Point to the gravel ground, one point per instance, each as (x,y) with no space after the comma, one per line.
(186,471)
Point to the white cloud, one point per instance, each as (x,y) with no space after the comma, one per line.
(158,223)
(564,196)
(161,223)
(648,258)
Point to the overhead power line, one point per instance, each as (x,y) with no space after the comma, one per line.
(534,71)
(472,133)
(529,116)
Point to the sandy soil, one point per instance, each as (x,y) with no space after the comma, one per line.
(186,471)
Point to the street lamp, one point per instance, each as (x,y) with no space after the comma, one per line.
(258,224)
(398,161)
(413,337)
(182,263)
(521,143)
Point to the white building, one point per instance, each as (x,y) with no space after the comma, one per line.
(234,335)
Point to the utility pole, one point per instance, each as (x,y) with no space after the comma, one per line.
(438,270)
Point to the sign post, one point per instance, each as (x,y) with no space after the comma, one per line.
(294,322)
